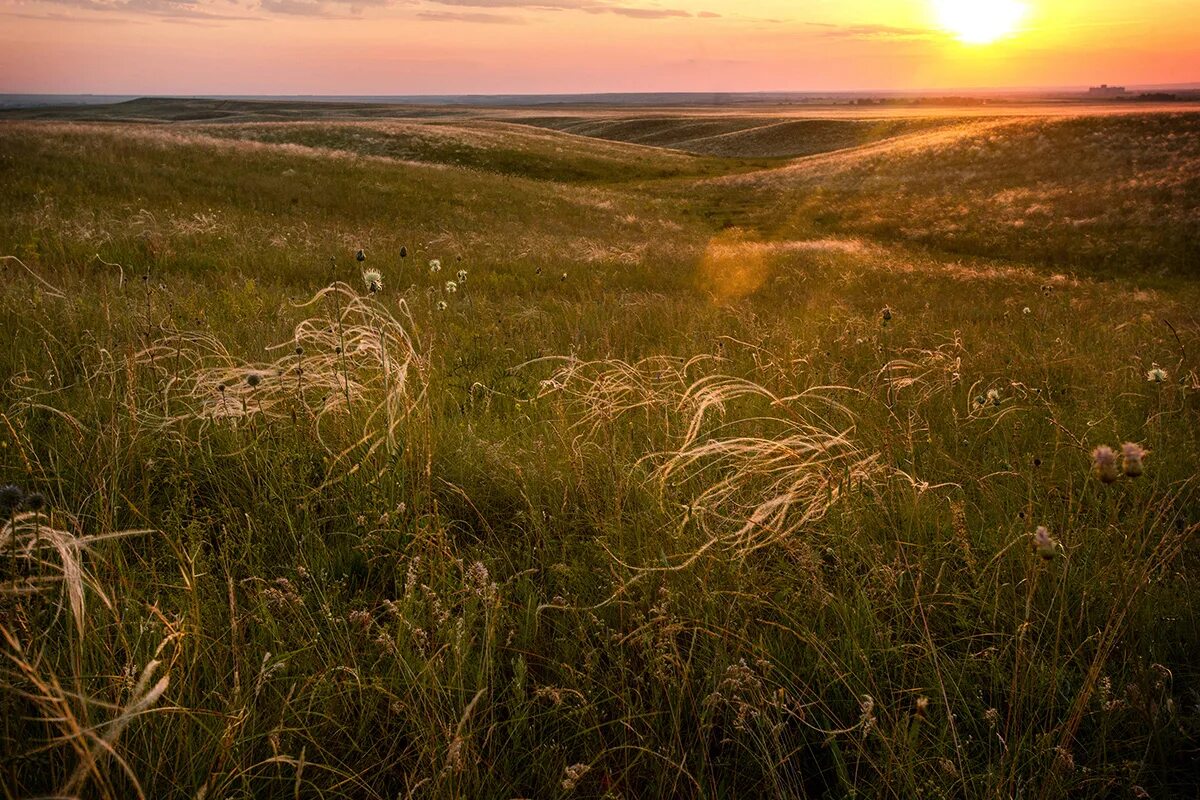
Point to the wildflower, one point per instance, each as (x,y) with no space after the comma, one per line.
(403,251)
(253,380)
(1157,375)
(441,305)
(35,501)
(1104,462)
(993,396)
(1043,543)
(573,774)
(11,498)
(887,315)
(435,265)
(980,400)
(1026,310)
(1131,459)
(922,705)
(562,277)
(374,281)
(462,276)
(360,256)
(451,287)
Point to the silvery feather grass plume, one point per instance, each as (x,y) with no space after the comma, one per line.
(56,556)
(354,352)
(747,490)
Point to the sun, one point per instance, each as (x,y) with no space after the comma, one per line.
(980,21)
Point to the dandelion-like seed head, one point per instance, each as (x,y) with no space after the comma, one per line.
(1043,543)
(435,265)
(11,498)
(374,280)
(1132,455)
(462,276)
(451,287)
(1104,463)
(1157,375)
(441,305)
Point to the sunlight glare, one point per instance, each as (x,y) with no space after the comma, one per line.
(980,21)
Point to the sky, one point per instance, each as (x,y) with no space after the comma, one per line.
(407,47)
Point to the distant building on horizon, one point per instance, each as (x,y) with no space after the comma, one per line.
(1104,90)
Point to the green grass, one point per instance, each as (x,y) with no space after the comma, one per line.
(523,567)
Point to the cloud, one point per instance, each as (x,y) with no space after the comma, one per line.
(587,6)
(219,11)
(468,16)
(162,9)
(639,13)
(872,31)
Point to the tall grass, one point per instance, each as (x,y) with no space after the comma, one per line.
(595,536)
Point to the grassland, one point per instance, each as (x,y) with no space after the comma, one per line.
(717,474)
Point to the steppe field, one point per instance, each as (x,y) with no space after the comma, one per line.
(642,453)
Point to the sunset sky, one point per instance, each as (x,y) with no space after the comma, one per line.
(392,47)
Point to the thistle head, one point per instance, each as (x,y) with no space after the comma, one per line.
(886,314)
(360,256)
(253,380)
(993,396)
(435,265)
(1104,463)
(11,498)
(441,305)
(1157,375)
(1043,543)
(403,251)
(1131,459)
(35,501)
(451,287)
(373,278)
(462,276)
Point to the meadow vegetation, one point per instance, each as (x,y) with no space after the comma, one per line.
(607,471)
